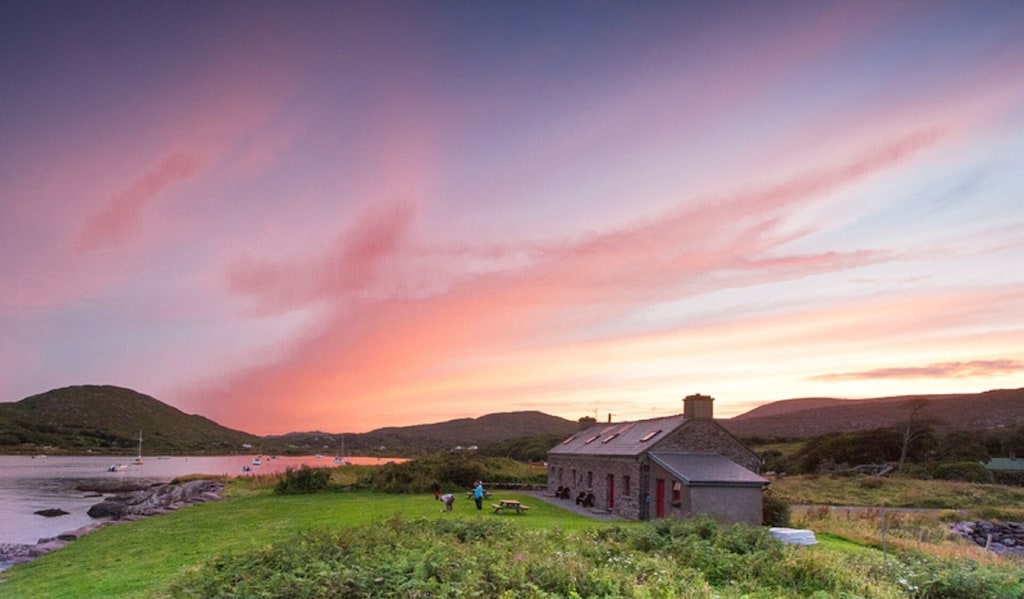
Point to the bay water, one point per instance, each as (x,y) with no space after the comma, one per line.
(29,484)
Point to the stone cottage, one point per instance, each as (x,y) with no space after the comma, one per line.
(676,466)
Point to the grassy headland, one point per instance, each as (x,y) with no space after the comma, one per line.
(363,543)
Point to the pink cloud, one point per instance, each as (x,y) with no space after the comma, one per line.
(386,343)
(351,266)
(121,216)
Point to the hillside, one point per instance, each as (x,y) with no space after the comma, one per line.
(463,432)
(800,418)
(108,419)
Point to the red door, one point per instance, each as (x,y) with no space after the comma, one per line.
(659,498)
(611,491)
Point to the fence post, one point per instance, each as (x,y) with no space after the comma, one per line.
(885,554)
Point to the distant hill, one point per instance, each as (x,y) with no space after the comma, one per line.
(462,432)
(801,418)
(107,419)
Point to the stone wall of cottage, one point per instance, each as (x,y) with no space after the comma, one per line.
(707,436)
(724,503)
(590,474)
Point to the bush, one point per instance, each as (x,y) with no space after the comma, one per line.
(774,510)
(452,471)
(491,558)
(968,472)
(303,480)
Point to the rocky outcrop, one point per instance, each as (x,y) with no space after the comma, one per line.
(129,506)
(156,500)
(1005,538)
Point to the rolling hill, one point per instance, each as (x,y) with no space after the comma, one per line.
(801,418)
(464,432)
(107,419)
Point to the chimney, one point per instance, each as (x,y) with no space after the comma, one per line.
(698,407)
(609,417)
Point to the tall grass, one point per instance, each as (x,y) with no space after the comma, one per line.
(496,558)
(868,491)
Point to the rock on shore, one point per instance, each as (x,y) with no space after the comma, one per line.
(123,507)
(1005,538)
(156,500)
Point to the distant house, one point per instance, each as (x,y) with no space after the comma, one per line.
(1007,471)
(677,466)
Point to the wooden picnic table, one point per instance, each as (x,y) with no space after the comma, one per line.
(509,505)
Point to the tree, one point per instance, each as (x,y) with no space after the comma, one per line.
(914,427)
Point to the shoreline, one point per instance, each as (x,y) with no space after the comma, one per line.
(115,509)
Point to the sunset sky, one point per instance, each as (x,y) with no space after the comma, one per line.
(339,216)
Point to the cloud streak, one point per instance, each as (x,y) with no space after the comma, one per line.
(121,217)
(971,369)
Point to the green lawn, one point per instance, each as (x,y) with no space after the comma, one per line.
(133,559)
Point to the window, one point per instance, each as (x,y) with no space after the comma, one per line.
(591,440)
(627,485)
(677,492)
(569,440)
(574,477)
(590,479)
(609,437)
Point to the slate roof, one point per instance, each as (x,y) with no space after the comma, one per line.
(697,469)
(619,439)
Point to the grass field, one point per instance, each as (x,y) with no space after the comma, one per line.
(131,559)
(253,527)
(973,500)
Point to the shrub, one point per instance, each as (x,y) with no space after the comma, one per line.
(774,510)
(968,472)
(490,558)
(303,480)
(451,471)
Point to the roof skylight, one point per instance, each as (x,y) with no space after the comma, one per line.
(650,435)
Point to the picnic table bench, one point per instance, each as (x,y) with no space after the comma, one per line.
(509,505)
(469,494)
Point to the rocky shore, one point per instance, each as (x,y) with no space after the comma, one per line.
(1004,538)
(122,507)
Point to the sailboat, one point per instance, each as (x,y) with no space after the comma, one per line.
(340,458)
(138,460)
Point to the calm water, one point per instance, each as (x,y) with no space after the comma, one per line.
(29,484)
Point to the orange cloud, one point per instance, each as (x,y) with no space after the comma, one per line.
(385,340)
(973,368)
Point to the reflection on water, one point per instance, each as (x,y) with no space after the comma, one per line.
(29,484)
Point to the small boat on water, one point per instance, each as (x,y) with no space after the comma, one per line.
(117,468)
(138,459)
(256,461)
